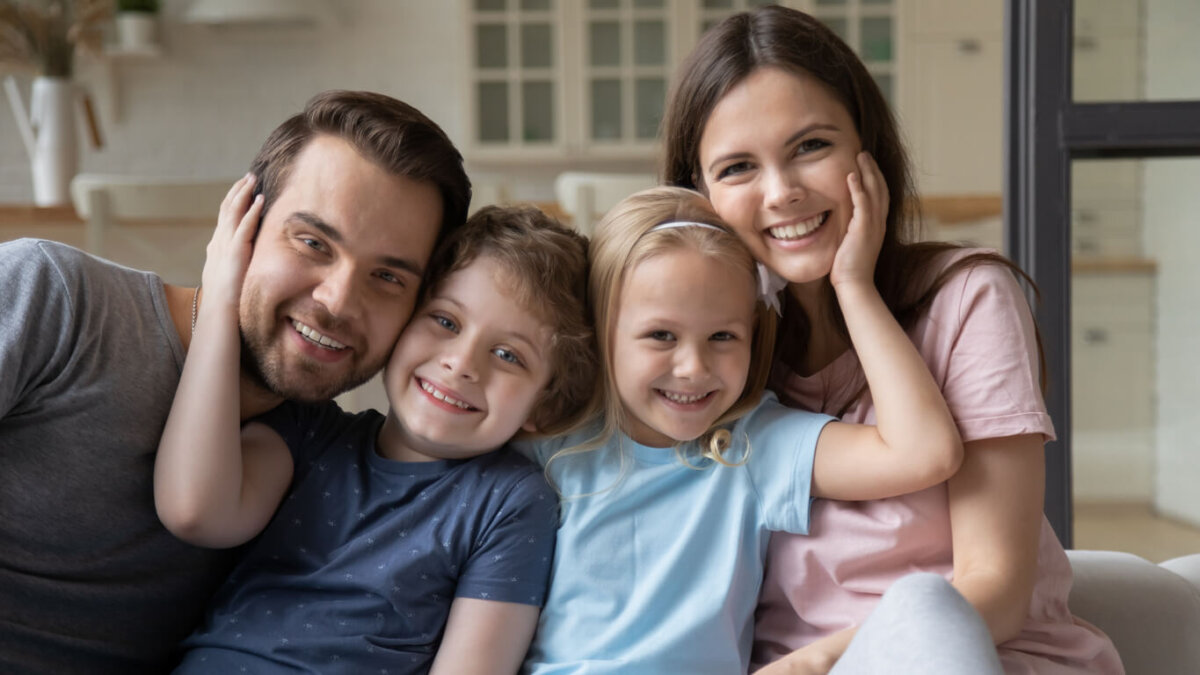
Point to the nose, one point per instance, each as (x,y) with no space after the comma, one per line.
(339,294)
(691,362)
(782,187)
(458,359)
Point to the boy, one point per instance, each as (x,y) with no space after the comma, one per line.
(411,542)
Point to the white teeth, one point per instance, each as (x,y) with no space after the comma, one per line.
(316,337)
(798,230)
(682,398)
(442,397)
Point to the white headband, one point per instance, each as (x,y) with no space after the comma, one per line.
(769,283)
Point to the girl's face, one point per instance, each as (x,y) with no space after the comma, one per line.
(774,157)
(681,344)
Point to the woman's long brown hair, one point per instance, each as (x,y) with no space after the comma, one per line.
(909,273)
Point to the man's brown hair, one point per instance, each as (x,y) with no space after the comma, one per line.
(386,131)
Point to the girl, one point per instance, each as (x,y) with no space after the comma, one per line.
(669,496)
(768,114)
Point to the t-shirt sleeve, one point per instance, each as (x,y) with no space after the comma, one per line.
(513,558)
(36,315)
(308,429)
(991,380)
(783,447)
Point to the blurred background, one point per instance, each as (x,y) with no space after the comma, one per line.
(558,102)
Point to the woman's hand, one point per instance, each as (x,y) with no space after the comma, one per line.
(228,253)
(856,256)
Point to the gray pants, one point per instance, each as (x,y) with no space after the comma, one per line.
(921,626)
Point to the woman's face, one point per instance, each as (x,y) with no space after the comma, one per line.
(774,157)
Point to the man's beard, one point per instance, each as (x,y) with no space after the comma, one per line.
(269,374)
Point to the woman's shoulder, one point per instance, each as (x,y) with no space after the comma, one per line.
(972,280)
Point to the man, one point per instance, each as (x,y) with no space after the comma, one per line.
(357,190)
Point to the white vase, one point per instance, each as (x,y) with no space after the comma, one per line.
(55,157)
(137,31)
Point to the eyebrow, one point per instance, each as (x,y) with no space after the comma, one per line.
(791,139)
(316,222)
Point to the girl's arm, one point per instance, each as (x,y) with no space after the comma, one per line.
(484,637)
(215,485)
(914,443)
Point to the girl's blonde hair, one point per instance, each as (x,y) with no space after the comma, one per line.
(624,239)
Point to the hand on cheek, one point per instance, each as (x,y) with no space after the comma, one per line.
(856,255)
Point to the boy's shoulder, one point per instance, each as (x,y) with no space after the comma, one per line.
(506,467)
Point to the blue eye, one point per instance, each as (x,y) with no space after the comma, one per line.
(390,278)
(723,336)
(507,356)
(661,335)
(444,322)
(812,145)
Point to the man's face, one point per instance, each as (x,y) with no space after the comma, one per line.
(335,273)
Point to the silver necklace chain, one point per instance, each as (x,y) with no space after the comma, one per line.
(195,306)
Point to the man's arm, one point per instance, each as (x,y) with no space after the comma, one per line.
(485,638)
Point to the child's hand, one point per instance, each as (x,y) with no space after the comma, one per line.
(856,256)
(231,244)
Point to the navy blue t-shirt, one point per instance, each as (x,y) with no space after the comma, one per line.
(357,570)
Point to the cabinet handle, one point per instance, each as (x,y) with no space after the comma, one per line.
(1085,43)
(1095,336)
(1085,216)
(969,46)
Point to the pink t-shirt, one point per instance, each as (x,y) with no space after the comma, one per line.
(978,341)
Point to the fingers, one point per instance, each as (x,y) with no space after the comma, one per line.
(873,182)
(234,206)
(249,224)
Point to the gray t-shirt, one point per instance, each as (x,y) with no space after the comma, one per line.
(90,581)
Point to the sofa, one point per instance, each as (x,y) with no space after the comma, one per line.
(1151,612)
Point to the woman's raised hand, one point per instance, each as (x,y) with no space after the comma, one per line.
(228,254)
(856,256)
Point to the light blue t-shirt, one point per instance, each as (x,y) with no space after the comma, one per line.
(657,568)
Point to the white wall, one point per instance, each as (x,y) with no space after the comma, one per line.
(205,107)
(1172,226)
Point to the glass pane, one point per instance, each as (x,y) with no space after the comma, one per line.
(839,26)
(649,43)
(536,45)
(535,5)
(718,4)
(826,3)
(603,4)
(876,39)
(605,43)
(606,109)
(1135,378)
(648,4)
(649,95)
(538,118)
(876,2)
(1132,50)
(490,5)
(493,111)
(491,41)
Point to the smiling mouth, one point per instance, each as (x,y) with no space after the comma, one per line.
(684,399)
(441,396)
(312,335)
(798,230)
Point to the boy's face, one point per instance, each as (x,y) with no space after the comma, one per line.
(467,370)
(335,272)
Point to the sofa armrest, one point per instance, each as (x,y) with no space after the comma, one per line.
(1151,612)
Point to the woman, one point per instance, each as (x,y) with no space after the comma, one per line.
(767,118)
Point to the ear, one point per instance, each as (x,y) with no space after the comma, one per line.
(529,426)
